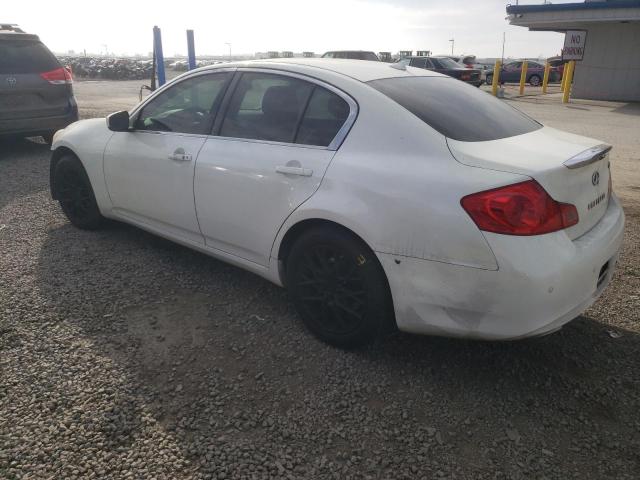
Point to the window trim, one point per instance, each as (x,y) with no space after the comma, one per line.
(337,139)
(179,79)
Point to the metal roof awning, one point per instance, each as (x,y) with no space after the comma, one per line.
(563,16)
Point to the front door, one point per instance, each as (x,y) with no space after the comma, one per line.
(149,170)
(275,143)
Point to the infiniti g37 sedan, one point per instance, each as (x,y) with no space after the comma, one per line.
(380,197)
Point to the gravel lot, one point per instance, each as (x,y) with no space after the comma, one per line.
(123,355)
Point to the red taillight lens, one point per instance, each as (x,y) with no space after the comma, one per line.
(520,209)
(59,76)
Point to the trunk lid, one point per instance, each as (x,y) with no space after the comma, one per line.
(571,168)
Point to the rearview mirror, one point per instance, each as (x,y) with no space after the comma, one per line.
(118,122)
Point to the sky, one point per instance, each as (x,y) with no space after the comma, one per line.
(125,26)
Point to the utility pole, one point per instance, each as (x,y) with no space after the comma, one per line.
(227,43)
(503,40)
(452,40)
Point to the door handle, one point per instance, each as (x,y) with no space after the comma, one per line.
(180,156)
(303,172)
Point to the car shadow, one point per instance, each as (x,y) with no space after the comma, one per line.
(24,167)
(211,350)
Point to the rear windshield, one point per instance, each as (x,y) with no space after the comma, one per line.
(455,109)
(25,56)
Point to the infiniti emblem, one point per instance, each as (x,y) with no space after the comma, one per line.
(595,178)
(11,81)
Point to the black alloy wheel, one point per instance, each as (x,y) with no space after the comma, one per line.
(73,191)
(339,288)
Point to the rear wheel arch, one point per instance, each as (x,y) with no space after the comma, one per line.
(298,229)
(310,228)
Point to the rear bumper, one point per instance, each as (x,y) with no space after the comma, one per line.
(39,125)
(542,283)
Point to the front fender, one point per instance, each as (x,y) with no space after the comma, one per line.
(86,140)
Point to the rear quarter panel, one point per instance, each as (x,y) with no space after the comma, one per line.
(395,184)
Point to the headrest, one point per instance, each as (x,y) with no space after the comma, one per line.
(280,101)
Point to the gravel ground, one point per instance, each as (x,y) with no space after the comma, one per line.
(123,355)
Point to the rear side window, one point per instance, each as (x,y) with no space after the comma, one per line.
(278,108)
(25,56)
(266,107)
(325,115)
(455,109)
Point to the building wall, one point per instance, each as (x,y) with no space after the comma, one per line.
(610,69)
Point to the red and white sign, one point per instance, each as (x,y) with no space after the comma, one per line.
(574,42)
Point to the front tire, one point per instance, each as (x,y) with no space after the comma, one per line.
(489,79)
(535,81)
(339,288)
(73,191)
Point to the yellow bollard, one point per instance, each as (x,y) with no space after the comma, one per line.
(564,76)
(567,82)
(545,79)
(523,76)
(496,77)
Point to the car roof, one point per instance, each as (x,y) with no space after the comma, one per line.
(361,70)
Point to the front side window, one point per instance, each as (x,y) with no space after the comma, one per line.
(187,107)
(455,109)
(419,62)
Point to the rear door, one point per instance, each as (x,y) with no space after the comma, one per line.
(272,148)
(24,93)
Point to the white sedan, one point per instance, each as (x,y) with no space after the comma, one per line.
(381,196)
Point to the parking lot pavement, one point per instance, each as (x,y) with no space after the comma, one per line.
(123,355)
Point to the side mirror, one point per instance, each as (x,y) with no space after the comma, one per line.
(118,122)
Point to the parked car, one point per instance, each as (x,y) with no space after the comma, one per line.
(445,66)
(380,197)
(36,96)
(511,72)
(558,64)
(352,54)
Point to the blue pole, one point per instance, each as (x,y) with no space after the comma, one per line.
(157,42)
(191,49)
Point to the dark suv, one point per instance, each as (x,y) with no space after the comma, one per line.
(352,54)
(36,97)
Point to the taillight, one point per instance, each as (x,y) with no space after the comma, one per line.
(520,209)
(59,76)
(465,76)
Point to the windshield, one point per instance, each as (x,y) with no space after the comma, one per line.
(455,109)
(448,63)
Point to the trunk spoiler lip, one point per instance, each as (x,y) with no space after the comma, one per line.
(591,155)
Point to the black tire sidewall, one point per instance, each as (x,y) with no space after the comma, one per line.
(378,316)
(93,219)
(531,81)
(489,79)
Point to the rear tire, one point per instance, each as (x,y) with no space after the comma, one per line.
(74,193)
(339,288)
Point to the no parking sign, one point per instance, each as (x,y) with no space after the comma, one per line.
(574,42)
